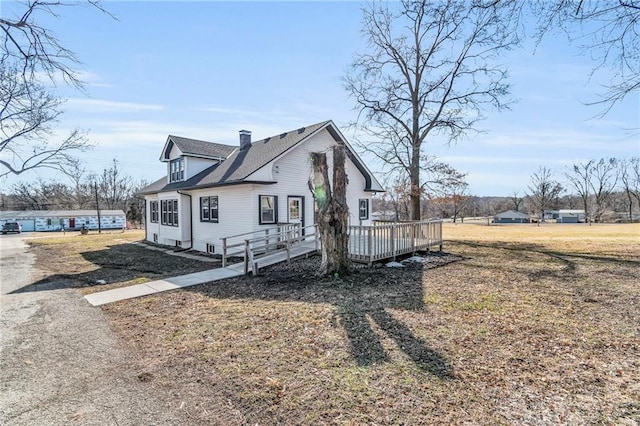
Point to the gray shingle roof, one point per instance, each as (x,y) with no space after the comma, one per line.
(239,164)
(198,148)
(512,214)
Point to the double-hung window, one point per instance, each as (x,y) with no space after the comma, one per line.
(209,209)
(363,209)
(268,209)
(153,211)
(176,170)
(169,211)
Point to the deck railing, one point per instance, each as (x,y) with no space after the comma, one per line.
(367,244)
(388,240)
(234,245)
(282,241)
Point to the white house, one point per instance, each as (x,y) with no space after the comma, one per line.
(565,216)
(213,191)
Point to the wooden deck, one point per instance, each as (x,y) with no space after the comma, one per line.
(367,244)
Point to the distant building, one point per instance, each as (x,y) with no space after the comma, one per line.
(565,216)
(511,216)
(55,220)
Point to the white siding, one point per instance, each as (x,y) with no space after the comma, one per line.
(194,165)
(235,215)
(166,234)
(293,170)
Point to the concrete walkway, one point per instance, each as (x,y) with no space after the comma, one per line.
(196,278)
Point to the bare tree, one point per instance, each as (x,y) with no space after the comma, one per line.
(516,200)
(398,193)
(544,190)
(449,186)
(606,30)
(630,178)
(30,56)
(28,114)
(333,212)
(115,188)
(604,178)
(33,49)
(579,178)
(41,195)
(429,71)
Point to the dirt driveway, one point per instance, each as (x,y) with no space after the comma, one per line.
(60,363)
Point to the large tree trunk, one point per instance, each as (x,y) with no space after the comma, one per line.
(333,212)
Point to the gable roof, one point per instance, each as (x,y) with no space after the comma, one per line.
(196,148)
(512,214)
(240,164)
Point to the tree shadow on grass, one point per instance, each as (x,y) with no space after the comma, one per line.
(118,263)
(362,299)
(622,267)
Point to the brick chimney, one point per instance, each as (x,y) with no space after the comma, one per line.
(245,139)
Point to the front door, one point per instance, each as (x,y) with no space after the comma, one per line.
(72,223)
(296,210)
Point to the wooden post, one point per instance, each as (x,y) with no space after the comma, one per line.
(224,252)
(316,237)
(288,245)
(266,236)
(393,241)
(246,257)
(413,237)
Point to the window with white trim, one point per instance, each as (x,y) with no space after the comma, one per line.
(268,209)
(169,212)
(363,209)
(209,209)
(153,211)
(176,170)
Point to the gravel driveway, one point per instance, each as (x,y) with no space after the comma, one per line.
(60,364)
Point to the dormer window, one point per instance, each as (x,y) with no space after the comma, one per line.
(176,170)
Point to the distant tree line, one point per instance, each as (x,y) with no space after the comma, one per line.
(607,189)
(109,190)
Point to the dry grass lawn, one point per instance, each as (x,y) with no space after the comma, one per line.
(83,260)
(532,325)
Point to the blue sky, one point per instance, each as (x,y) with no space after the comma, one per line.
(208,69)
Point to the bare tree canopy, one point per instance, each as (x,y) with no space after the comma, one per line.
(431,68)
(607,31)
(31,57)
(544,190)
(630,178)
(33,49)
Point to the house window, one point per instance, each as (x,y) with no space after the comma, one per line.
(211,249)
(176,170)
(49,222)
(169,211)
(209,209)
(268,209)
(363,208)
(153,211)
